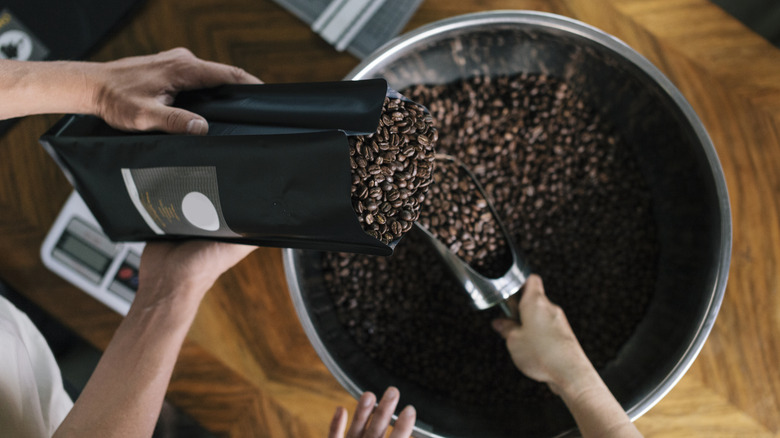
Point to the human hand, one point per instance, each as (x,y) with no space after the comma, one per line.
(379,418)
(544,347)
(135,93)
(187,268)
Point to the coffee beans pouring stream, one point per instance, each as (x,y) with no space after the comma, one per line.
(392,169)
(456,213)
(571,195)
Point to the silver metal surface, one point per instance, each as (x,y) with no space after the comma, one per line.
(695,245)
(454,27)
(484,292)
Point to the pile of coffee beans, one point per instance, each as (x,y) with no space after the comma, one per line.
(392,168)
(571,194)
(457,214)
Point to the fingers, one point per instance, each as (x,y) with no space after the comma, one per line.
(383,413)
(405,423)
(373,422)
(173,121)
(362,413)
(214,258)
(338,425)
(231,254)
(533,294)
(504,326)
(136,93)
(234,251)
(216,74)
(533,287)
(194,72)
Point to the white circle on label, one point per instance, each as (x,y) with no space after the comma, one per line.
(199,211)
(15,44)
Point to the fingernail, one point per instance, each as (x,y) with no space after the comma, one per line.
(392,393)
(497,324)
(197,127)
(408,412)
(367,399)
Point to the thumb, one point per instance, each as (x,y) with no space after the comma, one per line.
(177,121)
(504,326)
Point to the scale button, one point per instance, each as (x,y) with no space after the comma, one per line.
(125,273)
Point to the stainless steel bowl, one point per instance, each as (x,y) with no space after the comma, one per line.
(676,157)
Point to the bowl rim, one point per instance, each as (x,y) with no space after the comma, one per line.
(397,47)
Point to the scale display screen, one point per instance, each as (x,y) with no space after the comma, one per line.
(77,250)
(86,254)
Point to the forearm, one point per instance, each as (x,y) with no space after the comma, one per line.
(595,409)
(545,349)
(124,396)
(28,88)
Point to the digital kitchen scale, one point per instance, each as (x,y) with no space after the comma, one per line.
(77,250)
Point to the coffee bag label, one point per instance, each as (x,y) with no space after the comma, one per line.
(178,200)
(17,42)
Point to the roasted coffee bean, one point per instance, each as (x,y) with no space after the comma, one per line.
(375,193)
(569,191)
(396,228)
(387,162)
(457,214)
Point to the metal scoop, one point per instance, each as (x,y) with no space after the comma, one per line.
(485,292)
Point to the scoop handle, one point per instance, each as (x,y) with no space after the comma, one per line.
(505,308)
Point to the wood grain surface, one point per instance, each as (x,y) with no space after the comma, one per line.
(248,370)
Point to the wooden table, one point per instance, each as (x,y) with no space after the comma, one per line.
(247,368)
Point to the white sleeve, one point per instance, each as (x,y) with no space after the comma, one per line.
(33,401)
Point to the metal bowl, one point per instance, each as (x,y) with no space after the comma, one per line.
(676,157)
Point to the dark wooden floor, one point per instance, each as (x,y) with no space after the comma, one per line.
(247,368)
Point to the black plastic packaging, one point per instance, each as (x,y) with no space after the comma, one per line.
(273,171)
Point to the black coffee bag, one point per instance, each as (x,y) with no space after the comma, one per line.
(274,170)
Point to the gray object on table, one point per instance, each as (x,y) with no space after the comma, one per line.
(358,26)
